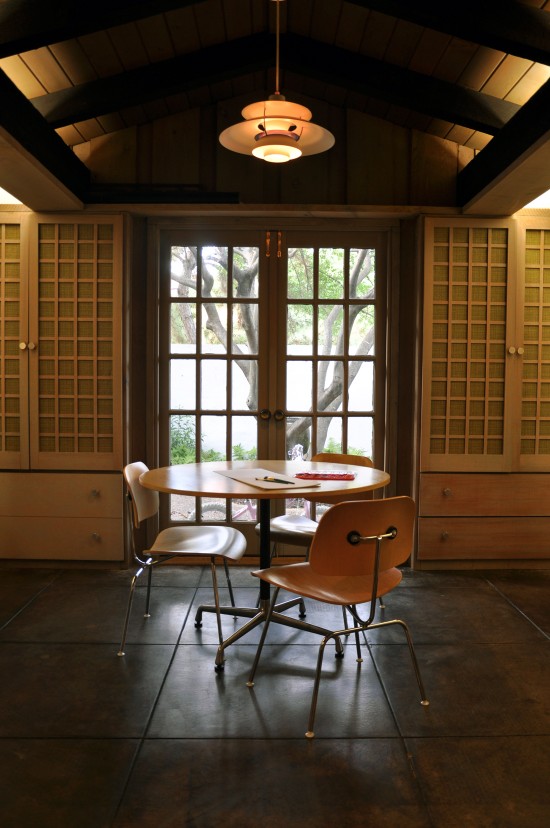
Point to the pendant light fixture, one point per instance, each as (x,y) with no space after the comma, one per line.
(276,130)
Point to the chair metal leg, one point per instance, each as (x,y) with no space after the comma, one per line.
(423,699)
(130,600)
(216,600)
(147,614)
(313,708)
(229,584)
(250,682)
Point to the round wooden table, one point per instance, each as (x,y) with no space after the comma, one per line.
(213,480)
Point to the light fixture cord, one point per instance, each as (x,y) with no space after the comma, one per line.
(277,92)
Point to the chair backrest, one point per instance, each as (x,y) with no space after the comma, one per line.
(144,502)
(332,553)
(345,459)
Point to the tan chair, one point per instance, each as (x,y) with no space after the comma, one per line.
(299,530)
(213,542)
(353,560)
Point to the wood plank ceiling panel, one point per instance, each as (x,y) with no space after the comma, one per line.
(182,24)
(128,43)
(19,73)
(156,38)
(378,33)
(76,66)
(47,69)
(351,28)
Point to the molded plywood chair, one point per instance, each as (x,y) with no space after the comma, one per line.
(299,529)
(353,560)
(212,542)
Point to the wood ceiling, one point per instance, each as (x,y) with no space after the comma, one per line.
(476,73)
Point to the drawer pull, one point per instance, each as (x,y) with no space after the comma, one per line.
(96,537)
(96,493)
(447,492)
(444,536)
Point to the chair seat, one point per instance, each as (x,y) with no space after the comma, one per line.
(342,590)
(295,529)
(200,540)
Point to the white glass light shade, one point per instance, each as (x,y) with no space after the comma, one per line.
(276,130)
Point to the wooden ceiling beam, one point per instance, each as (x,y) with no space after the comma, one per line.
(526,132)
(395,85)
(157,80)
(20,120)
(506,25)
(351,71)
(30,24)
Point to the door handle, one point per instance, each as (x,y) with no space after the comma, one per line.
(265,414)
(279,415)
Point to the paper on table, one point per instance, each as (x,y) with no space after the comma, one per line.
(249,476)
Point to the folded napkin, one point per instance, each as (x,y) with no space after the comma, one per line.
(326,475)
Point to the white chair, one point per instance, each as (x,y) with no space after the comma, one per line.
(212,542)
(299,530)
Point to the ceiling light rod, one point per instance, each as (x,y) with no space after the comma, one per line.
(276,130)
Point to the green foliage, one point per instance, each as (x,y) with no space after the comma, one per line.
(240,453)
(209,455)
(336,448)
(183,444)
(182,439)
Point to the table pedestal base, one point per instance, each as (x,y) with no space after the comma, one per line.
(257,616)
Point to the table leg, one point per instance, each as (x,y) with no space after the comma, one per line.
(258,615)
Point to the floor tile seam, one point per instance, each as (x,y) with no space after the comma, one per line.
(263,738)
(142,739)
(466,643)
(492,737)
(70,738)
(517,609)
(27,604)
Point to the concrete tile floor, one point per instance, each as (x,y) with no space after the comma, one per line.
(159,739)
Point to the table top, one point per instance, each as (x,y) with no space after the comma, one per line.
(202,479)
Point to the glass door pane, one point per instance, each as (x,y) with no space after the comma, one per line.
(211,362)
(334,323)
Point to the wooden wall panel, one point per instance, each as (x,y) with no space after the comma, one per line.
(372,162)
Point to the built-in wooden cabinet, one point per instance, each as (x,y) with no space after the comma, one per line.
(485,443)
(61,377)
(61,516)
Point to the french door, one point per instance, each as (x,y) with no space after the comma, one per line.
(272,344)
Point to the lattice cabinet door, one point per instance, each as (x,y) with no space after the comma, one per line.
(532,349)
(76,322)
(468,374)
(14,447)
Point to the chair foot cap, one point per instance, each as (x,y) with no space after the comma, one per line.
(310,734)
(250,684)
(425,703)
(146,614)
(219,668)
(121,653)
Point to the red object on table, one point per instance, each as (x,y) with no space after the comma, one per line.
(326,475)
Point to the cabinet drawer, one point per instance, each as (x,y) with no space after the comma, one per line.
(68,538)
(521,495)
(444,538)
(58,494)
